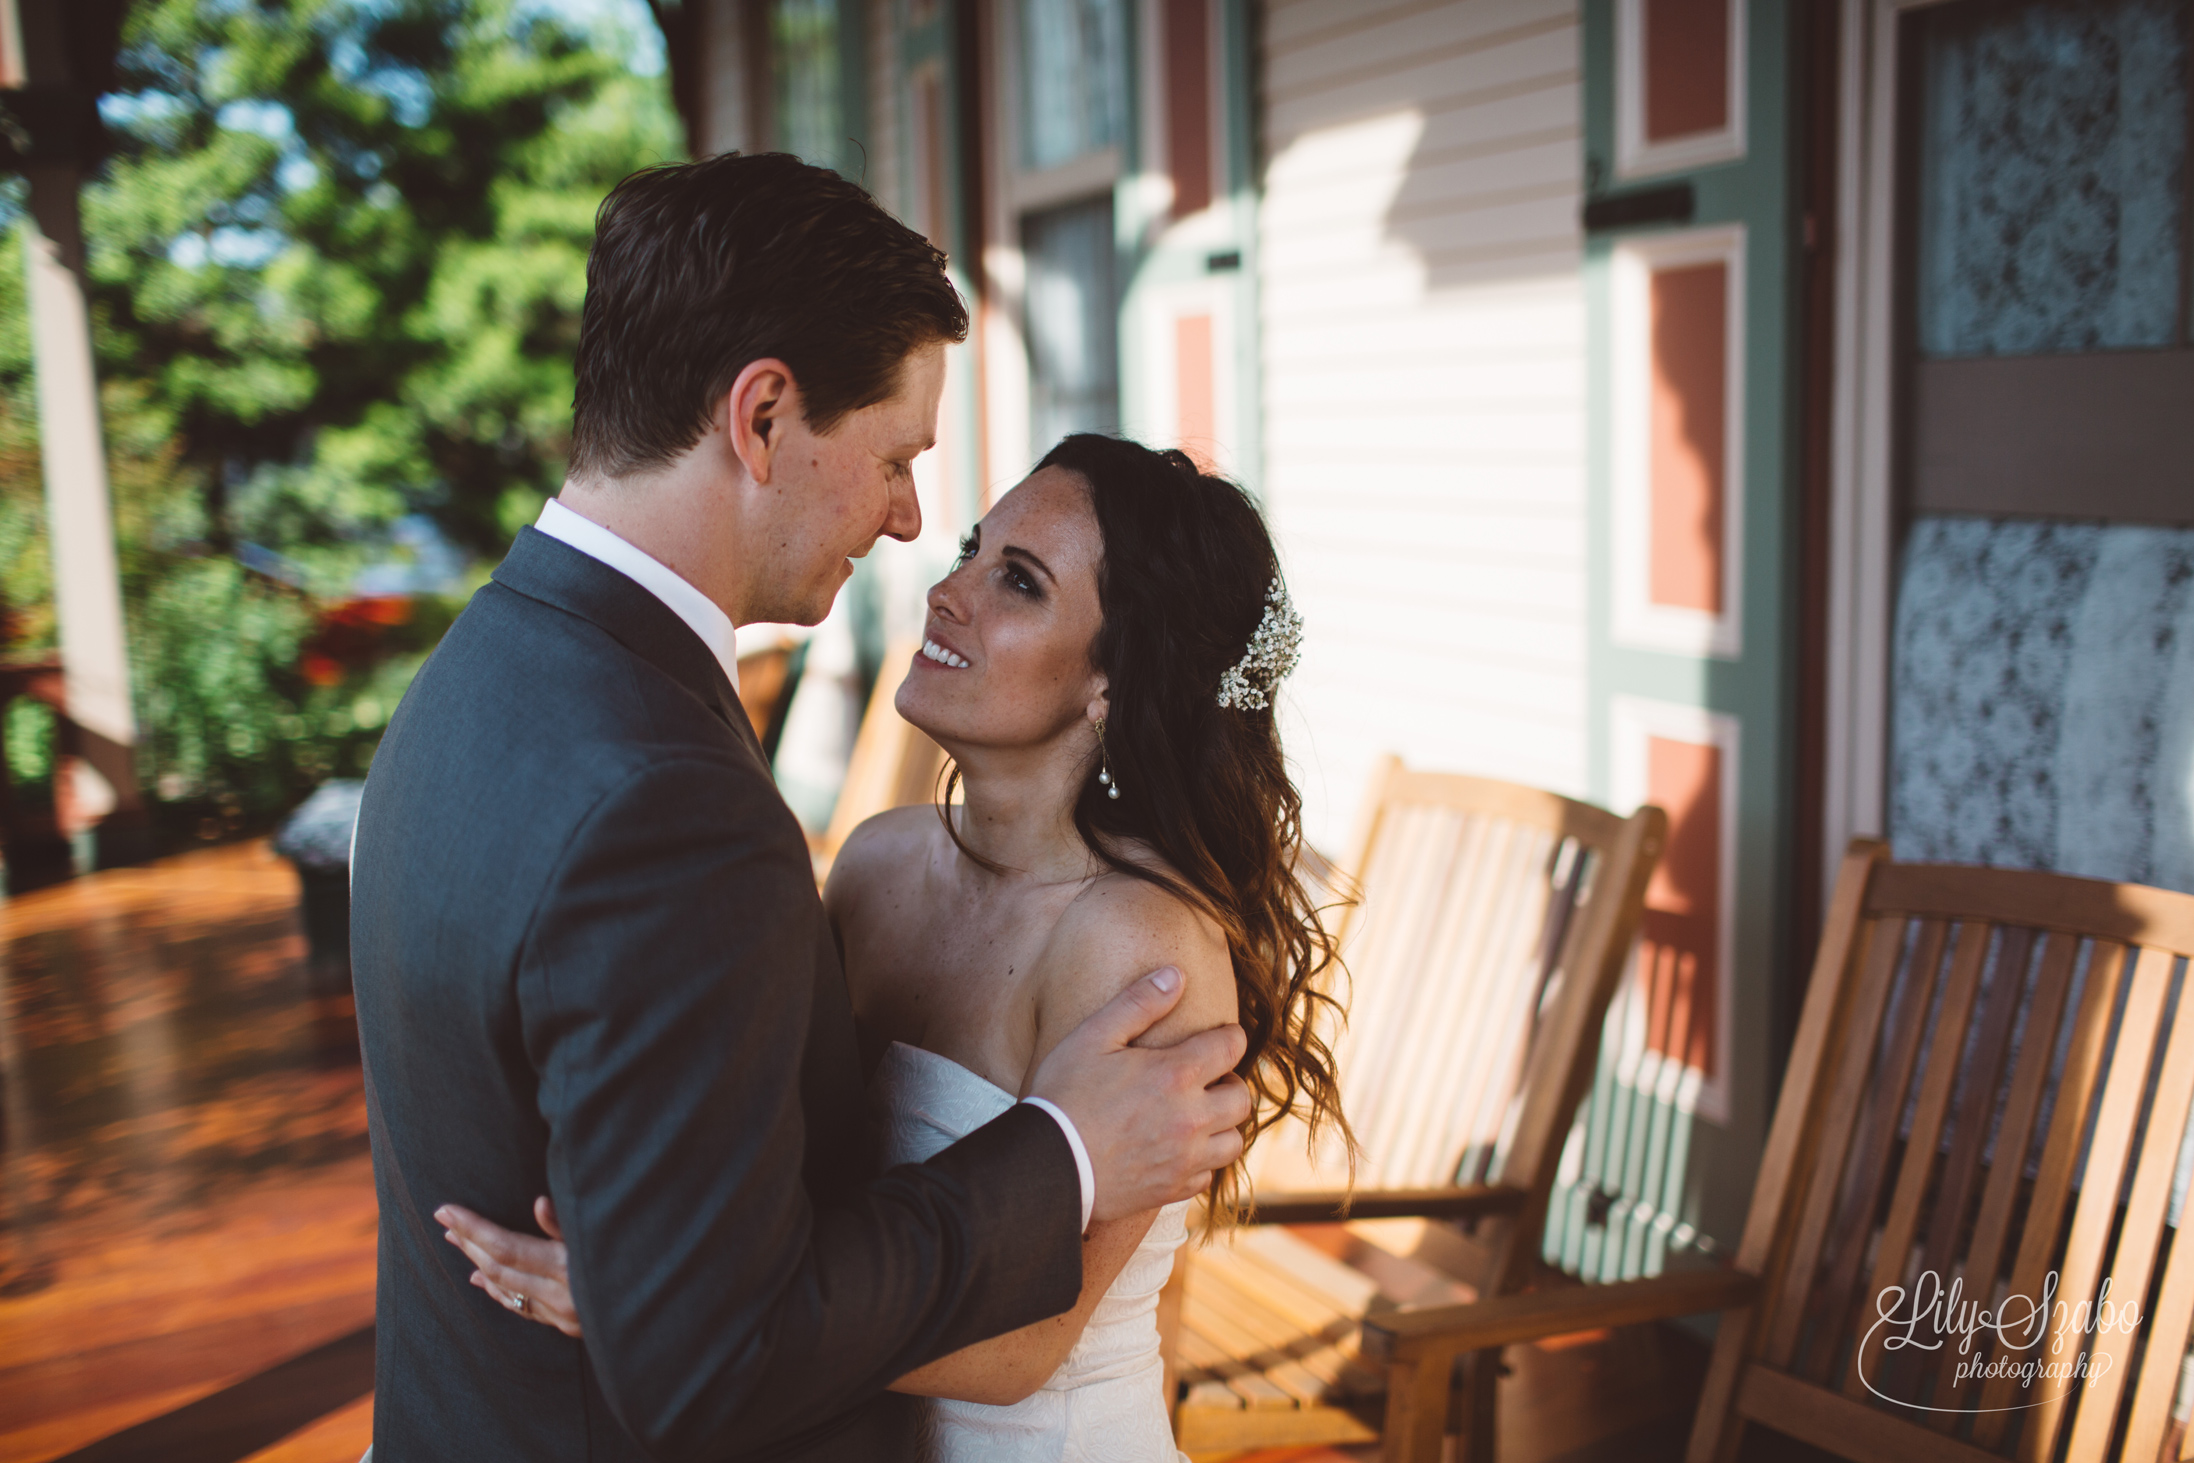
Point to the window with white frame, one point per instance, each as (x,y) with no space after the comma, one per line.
(1067,79)
(1073,62)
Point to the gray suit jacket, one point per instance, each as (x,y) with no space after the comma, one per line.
(591,962)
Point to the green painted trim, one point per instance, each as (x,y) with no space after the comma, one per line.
(1632,1136)
(1149,263)
(1242,180)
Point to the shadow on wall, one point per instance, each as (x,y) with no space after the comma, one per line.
(1476,158)
(1491,190)
(1423,340)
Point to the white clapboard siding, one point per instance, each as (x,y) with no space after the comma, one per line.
(1423,325)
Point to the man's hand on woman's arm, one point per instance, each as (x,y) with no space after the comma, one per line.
(1156,1121)
(1147,1077)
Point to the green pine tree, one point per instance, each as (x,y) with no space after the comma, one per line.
(336,256)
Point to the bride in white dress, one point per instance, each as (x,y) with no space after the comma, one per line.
(1100,664)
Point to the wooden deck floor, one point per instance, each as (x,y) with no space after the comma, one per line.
(186,1200)
(187,1214)
(1619,1396)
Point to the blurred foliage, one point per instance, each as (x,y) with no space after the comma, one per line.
(29,734)
(336,259)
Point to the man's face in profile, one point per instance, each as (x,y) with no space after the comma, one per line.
(830,497)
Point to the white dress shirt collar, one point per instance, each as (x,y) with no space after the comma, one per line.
(702,614)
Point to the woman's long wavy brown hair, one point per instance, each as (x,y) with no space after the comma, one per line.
(1187,563)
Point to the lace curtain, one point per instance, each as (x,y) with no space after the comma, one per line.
(2052,187)
(2044,696)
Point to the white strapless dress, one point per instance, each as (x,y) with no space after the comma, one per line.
(1106,1403)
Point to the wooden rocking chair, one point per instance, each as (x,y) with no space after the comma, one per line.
(1492,928)
(1990,1088)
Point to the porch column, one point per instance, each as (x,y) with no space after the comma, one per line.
(101,782)
(48,53)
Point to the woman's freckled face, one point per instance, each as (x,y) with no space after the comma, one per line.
(1007,655)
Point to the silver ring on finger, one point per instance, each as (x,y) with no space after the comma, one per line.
(518,1302)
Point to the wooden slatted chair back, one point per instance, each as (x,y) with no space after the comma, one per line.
(1968,1216)
(1489,931)
(1490,926)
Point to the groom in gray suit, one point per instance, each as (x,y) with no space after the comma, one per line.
(589,954)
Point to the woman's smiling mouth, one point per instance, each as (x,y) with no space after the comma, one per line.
(931,650)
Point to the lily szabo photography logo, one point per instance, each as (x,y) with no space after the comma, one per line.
(2034,1347)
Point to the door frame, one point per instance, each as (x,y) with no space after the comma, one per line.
(1864,388)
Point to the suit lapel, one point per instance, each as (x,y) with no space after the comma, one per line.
(555,573)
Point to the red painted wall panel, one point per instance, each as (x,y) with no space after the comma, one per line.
(1198,412)
(1188,103)
(1689,435)
(1679,938)
(1686,67)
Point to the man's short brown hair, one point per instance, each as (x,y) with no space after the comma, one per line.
(700,269)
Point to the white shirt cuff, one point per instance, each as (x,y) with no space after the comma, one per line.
(1081,1156)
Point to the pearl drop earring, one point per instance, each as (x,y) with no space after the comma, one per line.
(1104,764)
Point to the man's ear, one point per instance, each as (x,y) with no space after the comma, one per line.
(762,398)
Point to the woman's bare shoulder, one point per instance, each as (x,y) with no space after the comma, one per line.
(896,830)
(880,849)
(1116,932)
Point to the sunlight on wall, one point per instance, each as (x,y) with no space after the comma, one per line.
(1424,424)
